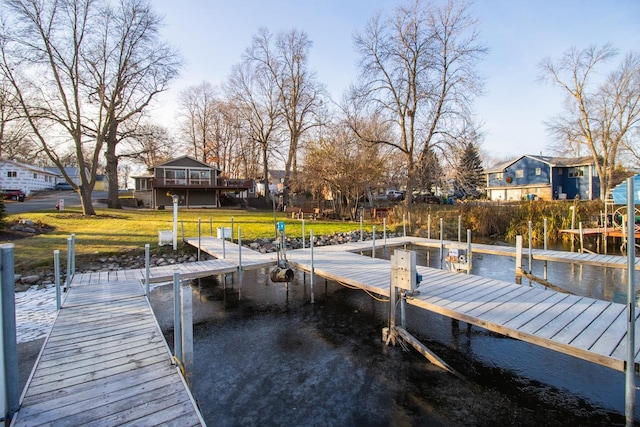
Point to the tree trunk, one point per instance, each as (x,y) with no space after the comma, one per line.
(85,200)
(113,200)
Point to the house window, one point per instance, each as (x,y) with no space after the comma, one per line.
(519,173)
(12,174)
(199,177)
(499,176)
(538,171)
(35,176)
(175,176)
(576,172)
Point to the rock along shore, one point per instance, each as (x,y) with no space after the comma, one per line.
(132,261)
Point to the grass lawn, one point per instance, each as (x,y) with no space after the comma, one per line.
(115,231)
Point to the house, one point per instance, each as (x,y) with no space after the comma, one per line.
(276,183)
(194,182)
(543,177)
(28,178)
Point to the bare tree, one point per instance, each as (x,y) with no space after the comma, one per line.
(15,143)
(286,60)
(343,166)
(255,94)
(602,116)
(129,65)
(197,121)
(417,72)
(80,70)
(149,146)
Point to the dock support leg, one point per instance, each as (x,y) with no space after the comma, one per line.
(186,298)
(519,259)
(630,365)
(9,373)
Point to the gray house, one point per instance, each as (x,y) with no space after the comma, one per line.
(196,184)
(544,178)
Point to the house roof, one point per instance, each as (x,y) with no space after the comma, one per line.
(176,161)
(551,161)
(619,192)
(31,167)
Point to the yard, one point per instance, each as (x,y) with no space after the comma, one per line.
(112,232)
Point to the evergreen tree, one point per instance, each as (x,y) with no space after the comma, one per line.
(469,179)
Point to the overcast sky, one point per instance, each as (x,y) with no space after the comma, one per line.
(213,34)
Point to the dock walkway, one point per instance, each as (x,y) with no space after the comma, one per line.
(583,327)
(106,363)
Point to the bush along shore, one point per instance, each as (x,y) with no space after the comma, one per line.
(131,261)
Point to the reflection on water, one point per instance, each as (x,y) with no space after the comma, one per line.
(265,356)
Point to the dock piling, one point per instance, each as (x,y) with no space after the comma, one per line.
(147,261)
(630,376)
(519,259)
(186,311)
(177,317)
(312,272)
(56,269)
(9,359)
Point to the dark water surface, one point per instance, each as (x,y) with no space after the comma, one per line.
(266,356)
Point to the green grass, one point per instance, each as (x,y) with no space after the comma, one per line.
(113,232)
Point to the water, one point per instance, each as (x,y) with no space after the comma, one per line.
(266,356)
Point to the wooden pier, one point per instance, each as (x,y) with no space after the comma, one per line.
(582,327)
(105,361)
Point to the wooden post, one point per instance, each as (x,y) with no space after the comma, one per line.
(630,383)
(429,226)
(518,259)
(581,237)
(186,298)
(459,228)
(312,266)
(361,232)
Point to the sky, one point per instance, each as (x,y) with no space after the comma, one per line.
(213,34)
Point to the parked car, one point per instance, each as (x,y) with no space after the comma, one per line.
(13,195)
(395,195)
(63,186)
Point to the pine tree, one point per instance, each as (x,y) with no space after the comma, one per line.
(469,181)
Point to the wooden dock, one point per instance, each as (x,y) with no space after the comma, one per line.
(582,327)
(105,362)
(586,328)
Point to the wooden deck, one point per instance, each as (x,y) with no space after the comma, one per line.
(587,328)
(105,362)
(232,253)
(598,260)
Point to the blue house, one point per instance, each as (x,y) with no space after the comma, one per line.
(544,178)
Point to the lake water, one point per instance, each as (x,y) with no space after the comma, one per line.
(265,356)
